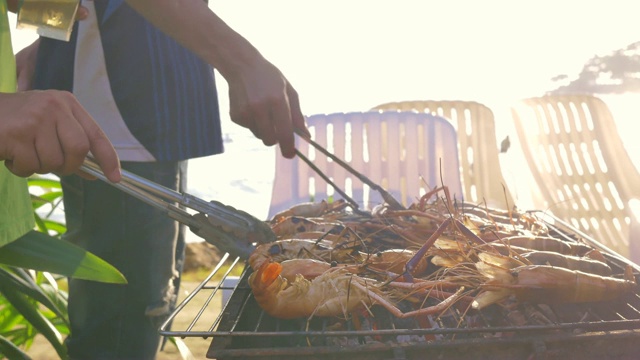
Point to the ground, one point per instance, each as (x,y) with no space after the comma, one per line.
(41,350)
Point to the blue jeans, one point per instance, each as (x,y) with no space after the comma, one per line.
(110,321)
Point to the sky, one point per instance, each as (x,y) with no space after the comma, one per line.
(351,55)
(343,55)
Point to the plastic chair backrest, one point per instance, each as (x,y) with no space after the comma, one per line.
(407,153)
(481,174)
(582,170)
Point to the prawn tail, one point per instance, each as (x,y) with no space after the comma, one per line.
(628,276)
(489,297)
(497,269)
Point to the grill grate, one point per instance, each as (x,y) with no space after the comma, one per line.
(585,331)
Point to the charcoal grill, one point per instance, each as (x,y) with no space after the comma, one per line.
(239,329)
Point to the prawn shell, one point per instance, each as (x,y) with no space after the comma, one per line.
(298,224)
(395,260)
(333,293)
(568,262)
(539,243)
(281,250)
(307,209)
(308,268)
(549,284)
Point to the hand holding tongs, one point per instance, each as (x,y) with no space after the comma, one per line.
(388,198)
(223,226)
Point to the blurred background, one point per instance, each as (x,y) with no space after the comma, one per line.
(352,55)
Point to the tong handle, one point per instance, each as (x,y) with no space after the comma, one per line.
(384,193)
(223,226)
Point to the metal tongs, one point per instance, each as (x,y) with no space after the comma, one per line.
(229,229)
(388,198)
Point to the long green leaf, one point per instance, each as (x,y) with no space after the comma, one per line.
(21,335)
(42,227)
(10,351)
(38,202)
(29,309)
(8,318)
(51,196)
(44,183)
(30,288)
(47,226)
(42,252)
(183,349)
(45,199)
(58,298)
(56,226)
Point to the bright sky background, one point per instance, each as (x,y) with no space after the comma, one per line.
(350,55)
(353,54)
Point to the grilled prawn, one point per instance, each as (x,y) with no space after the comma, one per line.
(335,292)
(550,284)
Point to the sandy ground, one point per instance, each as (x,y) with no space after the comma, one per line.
(41,350)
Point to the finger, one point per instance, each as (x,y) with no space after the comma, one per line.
(50,152)
(74,145)
(246,122)
(263,128)
(99,145)
(297,118)
(25,165)
(284,129)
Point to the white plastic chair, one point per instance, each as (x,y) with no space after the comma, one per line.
(584,174)
(481,173)
(407,153)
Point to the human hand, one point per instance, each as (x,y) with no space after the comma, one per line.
(262,100)
(49,131)
(260,97)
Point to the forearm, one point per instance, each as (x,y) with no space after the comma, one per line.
(199,29)
(260,97)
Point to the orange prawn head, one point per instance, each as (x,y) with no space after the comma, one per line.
(266,282)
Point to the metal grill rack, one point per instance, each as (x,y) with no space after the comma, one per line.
(237,328)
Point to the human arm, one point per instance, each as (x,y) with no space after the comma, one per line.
(260,97)
(49,131)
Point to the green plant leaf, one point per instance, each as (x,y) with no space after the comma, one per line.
(42,252)
(58,298)
(29,309)
(42,227)
(183,349)
(56,226)
(26,285)
(8,319)
(44,182)
(51,196)
(10,351)
(38,202)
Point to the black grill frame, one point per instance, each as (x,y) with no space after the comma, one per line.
(243,330)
